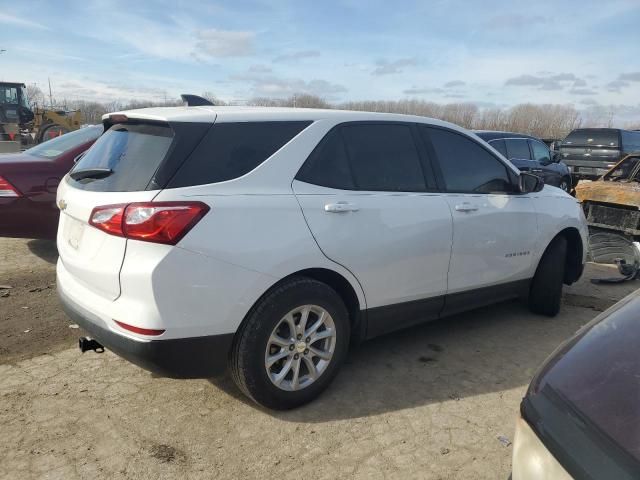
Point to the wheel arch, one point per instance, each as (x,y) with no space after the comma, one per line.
(575,251)
(343,287)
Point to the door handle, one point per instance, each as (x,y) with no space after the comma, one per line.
(466,207)
(340,207)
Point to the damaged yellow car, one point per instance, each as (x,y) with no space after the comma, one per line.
(612,207)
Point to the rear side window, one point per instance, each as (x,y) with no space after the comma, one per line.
(500,146)
(592,137)
(518,148)
(466,166)
(133,153)
(231,150)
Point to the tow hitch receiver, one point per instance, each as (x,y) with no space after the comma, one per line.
(87,344)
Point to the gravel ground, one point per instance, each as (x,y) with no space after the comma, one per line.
(429,402)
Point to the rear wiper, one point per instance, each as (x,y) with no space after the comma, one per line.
(91,173)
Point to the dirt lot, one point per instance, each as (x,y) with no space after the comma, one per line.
(429,402)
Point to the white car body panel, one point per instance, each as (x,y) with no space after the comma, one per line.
(90,255)
(401,236)
(494,239)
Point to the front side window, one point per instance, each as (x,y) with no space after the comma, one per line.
(540,152)
(518,148)
(466,166)
(372,157)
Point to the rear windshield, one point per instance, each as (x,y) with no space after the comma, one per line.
(596,137)
(59,145)
(133,153)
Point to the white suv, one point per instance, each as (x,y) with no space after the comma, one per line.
(268,239)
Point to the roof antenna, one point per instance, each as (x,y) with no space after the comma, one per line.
(195,100)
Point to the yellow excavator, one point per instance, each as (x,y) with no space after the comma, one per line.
(21,125)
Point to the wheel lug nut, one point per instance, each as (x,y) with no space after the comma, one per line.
(296,356)
(308,339)
(306,351)
(291,347)
(299,336)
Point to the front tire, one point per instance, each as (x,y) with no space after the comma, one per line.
(291,345)
(545,294)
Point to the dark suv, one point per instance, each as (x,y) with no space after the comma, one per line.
(591,152)
(530,155)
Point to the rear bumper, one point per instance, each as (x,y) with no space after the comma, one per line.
(193,357)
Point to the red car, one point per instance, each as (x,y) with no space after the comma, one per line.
(29,180)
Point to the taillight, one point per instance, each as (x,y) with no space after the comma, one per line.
(8,190)
(161,222)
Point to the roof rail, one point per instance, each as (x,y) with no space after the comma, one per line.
(195,100)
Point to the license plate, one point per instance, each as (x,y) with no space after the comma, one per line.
(74,232)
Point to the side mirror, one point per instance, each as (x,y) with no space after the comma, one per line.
(556,156)
(529,183)
(79,157)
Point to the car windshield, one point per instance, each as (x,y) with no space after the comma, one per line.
(57,146)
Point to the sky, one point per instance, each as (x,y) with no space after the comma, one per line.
(493,53)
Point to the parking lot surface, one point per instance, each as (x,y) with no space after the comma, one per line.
(436,401)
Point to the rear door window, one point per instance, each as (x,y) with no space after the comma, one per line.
(328,165)
(384,157)
(230,150)
(466,166)
(133,153)
(518,148)
(371,157)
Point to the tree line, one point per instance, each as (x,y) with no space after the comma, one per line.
(540,120)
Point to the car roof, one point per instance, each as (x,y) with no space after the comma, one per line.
(494,135)
(244,113)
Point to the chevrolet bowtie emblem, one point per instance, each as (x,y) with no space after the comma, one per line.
(62,204)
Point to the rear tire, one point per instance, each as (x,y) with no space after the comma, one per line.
(254,346)
(545,294)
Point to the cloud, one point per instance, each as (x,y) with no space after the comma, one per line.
(588,101)
(224,43)
(515,21)
(295,56)
(617,85)
(454,83)
(630,77)
(423,90)
(455,95)
(582,91)
(260,69)
(7,19)
(385,67)
(623,81)
(274,86)
(546,81)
